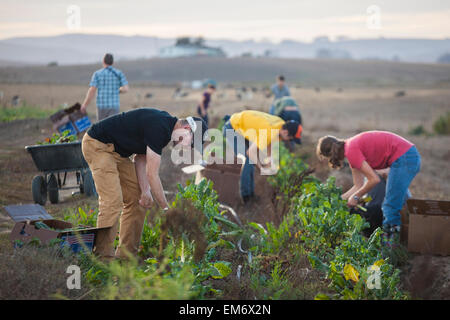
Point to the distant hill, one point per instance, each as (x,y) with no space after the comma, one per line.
(307,72)
(83,48)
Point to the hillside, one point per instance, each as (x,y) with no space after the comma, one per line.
(306,72)
(88,48)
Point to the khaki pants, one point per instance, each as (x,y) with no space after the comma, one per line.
(118,190)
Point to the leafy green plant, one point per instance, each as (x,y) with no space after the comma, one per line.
(180,248)
(442,124)
(289,178)
(319,221)
(56,138)
(82,216)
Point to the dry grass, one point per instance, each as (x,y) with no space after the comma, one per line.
(32,273)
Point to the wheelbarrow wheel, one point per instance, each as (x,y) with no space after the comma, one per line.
(39,190)
(52,187)
(87,186)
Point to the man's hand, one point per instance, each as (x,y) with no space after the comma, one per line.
(146,200)
(124,89)
(268,169)
(83,109)
(89,96)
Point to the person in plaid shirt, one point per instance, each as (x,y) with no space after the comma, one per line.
(109,82)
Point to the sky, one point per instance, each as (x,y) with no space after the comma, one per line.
(273,20)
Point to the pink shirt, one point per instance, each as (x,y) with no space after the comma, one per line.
(378,148)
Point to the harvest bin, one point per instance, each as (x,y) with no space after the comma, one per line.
(226,179)
(26,216)
(429,226)
(71,119)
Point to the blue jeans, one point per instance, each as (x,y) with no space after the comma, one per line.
(272,109)
(402,172)
(205,118)
(247,182)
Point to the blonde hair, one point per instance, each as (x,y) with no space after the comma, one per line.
(331,148)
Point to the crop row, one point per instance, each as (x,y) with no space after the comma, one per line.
(195,251)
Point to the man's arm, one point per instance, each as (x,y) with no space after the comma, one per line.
(287,90)
(89,96)
(152,171)
(123,83)
(140,163)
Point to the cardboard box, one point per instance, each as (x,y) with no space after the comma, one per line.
(70,119)
(24,230)
(429,227)
(226,179)
(405,226)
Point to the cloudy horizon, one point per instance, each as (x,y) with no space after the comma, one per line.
(256,20)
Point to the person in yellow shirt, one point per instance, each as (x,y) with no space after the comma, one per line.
(250,131)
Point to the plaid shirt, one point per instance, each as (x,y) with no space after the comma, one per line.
(280,93)
(108,81)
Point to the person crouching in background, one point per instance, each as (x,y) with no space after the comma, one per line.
(202,108)
(287,109)
(370,151)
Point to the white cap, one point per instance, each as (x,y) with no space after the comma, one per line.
(192,123)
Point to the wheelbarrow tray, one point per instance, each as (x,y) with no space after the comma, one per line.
(62,157)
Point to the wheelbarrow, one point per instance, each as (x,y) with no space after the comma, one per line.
(55,161)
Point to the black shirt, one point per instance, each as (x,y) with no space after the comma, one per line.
(133,131)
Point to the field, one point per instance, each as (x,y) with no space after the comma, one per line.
(344,109)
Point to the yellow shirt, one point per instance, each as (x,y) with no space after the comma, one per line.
(257,127)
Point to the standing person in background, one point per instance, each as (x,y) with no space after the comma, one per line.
(367,153)
(202,108)
(109,82)
(279,91)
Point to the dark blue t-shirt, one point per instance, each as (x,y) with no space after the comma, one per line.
(207,99)
(133,131)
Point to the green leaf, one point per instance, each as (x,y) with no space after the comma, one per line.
(258,227)
(221,243)
(227,222)
(321,296)
(223,268)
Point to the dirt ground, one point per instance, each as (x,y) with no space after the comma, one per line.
(342,113)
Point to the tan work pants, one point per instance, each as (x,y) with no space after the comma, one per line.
(118,190)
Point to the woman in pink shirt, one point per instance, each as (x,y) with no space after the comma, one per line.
(367,153)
